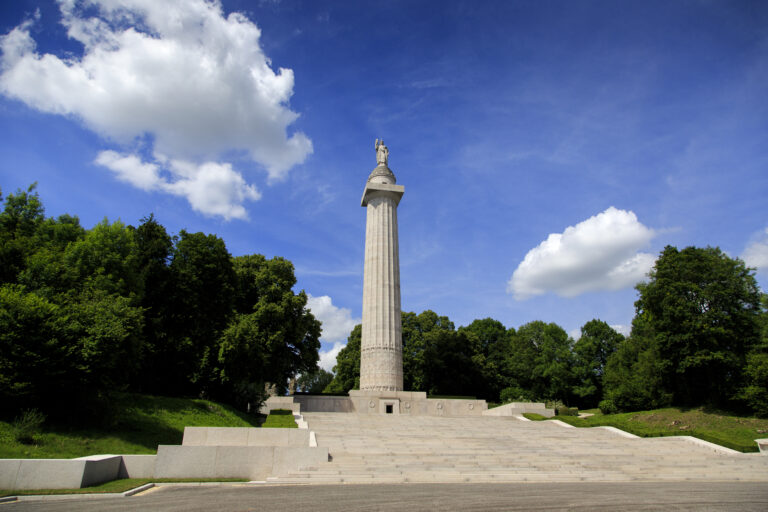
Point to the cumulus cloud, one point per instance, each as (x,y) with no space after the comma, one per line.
(756,253)
(600,253)
(177,72)
(211,188)
(328,357)
(337,324)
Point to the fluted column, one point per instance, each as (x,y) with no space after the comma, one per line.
(381,350)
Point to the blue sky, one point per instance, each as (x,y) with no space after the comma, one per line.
(549,150)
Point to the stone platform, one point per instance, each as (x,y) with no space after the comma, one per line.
(368,448)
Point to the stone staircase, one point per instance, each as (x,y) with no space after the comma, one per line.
(396,449)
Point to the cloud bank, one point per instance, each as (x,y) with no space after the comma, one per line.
(600,253)
(337,324)
(756,253)
(176,73)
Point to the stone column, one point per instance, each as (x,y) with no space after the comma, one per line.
(381,349)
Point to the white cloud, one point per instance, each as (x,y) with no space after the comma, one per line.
(328,358)
(600,253)
(756,253)
(337,324)
(211,188)
(179,71)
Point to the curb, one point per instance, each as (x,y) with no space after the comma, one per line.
(138,489)
(8,499)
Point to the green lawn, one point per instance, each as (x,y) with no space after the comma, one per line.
(115,486)
(140,424)
(280,418)
(738,433)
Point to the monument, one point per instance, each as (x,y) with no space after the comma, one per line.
(381,347)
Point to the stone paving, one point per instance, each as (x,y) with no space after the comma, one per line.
(398,449)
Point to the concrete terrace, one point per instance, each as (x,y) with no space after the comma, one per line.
(398,449)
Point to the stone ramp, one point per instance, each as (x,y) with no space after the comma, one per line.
(396,449)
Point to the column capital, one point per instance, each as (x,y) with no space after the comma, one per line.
(381,189)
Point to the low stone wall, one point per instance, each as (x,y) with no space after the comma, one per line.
(58,473)
(318,403)
(252,462)
(411,403)
(280,402)
(244,436)
(137,466)
(518,408)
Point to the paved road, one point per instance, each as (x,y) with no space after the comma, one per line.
(415,497)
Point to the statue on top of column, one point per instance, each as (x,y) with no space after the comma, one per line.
(382,152)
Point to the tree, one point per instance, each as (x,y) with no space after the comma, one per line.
(154,248)
(34,360)
(597,342)
(632,380)
(314,382)
(491,346)
(415,346)
(540,361)
(449,368)
(702,309)
(22,215)
(755,391)
(201,306)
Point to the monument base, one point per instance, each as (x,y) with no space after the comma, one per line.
(403,403)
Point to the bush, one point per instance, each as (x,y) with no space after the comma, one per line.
(566,411)
(608,407)
(28,426)
(516,394)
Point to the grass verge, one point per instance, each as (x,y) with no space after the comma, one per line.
(280,418)
(735,432)
(115,486)
(135,424)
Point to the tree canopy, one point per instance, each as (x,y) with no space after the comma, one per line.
(84,312)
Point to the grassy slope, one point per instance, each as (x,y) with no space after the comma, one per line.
(140,423)
(738,433)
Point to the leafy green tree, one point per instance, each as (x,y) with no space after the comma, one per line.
(415,329)
(347,369)
(491,346)
(273,324)
(703,310)
(46,270)
(755,390)
(201,301)
(105,259)
(449,367)
(34,359)
(314,382)
(541,361)
(154,248)
(597,342)
(22,215)
(632,380)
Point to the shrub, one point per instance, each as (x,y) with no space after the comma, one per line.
(516,394)
(27,426)
(608,407)
(566,411)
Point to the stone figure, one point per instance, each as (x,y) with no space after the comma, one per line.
(382,152)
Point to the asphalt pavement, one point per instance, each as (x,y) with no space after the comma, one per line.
(742,496)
